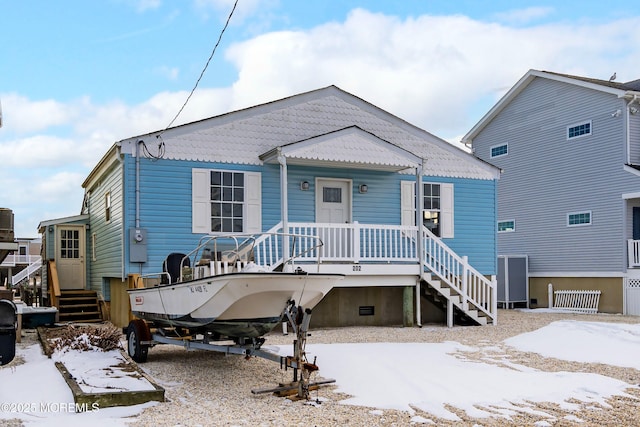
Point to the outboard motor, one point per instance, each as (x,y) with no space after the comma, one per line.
(8,321)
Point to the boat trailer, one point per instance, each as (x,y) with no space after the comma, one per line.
(142,335)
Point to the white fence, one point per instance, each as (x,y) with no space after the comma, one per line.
(632,297)
(579,301)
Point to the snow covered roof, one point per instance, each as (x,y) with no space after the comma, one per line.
(241,137)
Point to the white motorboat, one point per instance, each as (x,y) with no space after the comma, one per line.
(231,288)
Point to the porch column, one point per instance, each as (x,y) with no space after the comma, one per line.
(284,203)
(419,239)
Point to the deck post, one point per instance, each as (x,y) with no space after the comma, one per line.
(418,308)
(449,313)
(407,307)
(465,283)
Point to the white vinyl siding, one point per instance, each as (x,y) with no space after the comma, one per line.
(445,209)
(201,197)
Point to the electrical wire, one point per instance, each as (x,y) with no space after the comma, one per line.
(204,69)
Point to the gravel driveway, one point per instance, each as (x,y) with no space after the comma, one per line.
(210,389)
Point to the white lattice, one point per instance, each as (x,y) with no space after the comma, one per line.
(633,283)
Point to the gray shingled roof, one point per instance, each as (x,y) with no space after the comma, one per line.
(632,85)
(243,136)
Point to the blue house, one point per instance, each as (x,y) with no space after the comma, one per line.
(324,163)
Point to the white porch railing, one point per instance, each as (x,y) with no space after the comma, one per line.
(633,253)
(12,260)
(473,287)
(357,242)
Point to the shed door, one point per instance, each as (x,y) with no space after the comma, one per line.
(70,243)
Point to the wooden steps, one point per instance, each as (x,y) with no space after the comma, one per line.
(79,306)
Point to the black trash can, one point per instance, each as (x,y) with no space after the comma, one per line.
(8,320)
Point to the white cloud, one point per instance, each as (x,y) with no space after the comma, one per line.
(170,73)
(144,5)
(420,68)
(39,151)
(441,73)
(244,8)
(524,16)
(22,115)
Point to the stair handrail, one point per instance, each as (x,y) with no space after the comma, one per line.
(27,271)
(472,286)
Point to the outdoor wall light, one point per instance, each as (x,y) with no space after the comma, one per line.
(304,185)
(363,188)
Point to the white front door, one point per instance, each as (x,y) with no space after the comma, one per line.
(70,244)
(333,200)
(333,206)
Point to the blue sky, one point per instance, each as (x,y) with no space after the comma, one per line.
(77,76)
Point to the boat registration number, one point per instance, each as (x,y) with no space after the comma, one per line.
(198,289)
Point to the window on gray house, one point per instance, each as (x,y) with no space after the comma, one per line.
(499,150)
(580,129)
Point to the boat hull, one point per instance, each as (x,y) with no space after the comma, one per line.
(234,305)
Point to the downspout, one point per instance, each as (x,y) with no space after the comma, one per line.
(419,240)
(124,207)
(628,127)
(138,182)
(284,203)
(137,197)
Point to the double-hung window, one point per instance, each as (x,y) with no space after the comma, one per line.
(226,201)
(431,217)
(436,207)
(107,207)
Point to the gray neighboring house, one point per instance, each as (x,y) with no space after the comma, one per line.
(569,195)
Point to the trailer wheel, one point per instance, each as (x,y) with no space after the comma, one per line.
(138,331)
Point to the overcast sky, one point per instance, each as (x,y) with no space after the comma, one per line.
(77,76)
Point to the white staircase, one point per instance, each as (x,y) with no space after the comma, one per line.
(455,285)
(27,272)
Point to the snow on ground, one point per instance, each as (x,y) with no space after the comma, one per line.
(395,376)
(381,375)
(36,393)
(101,371)
(616,344)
